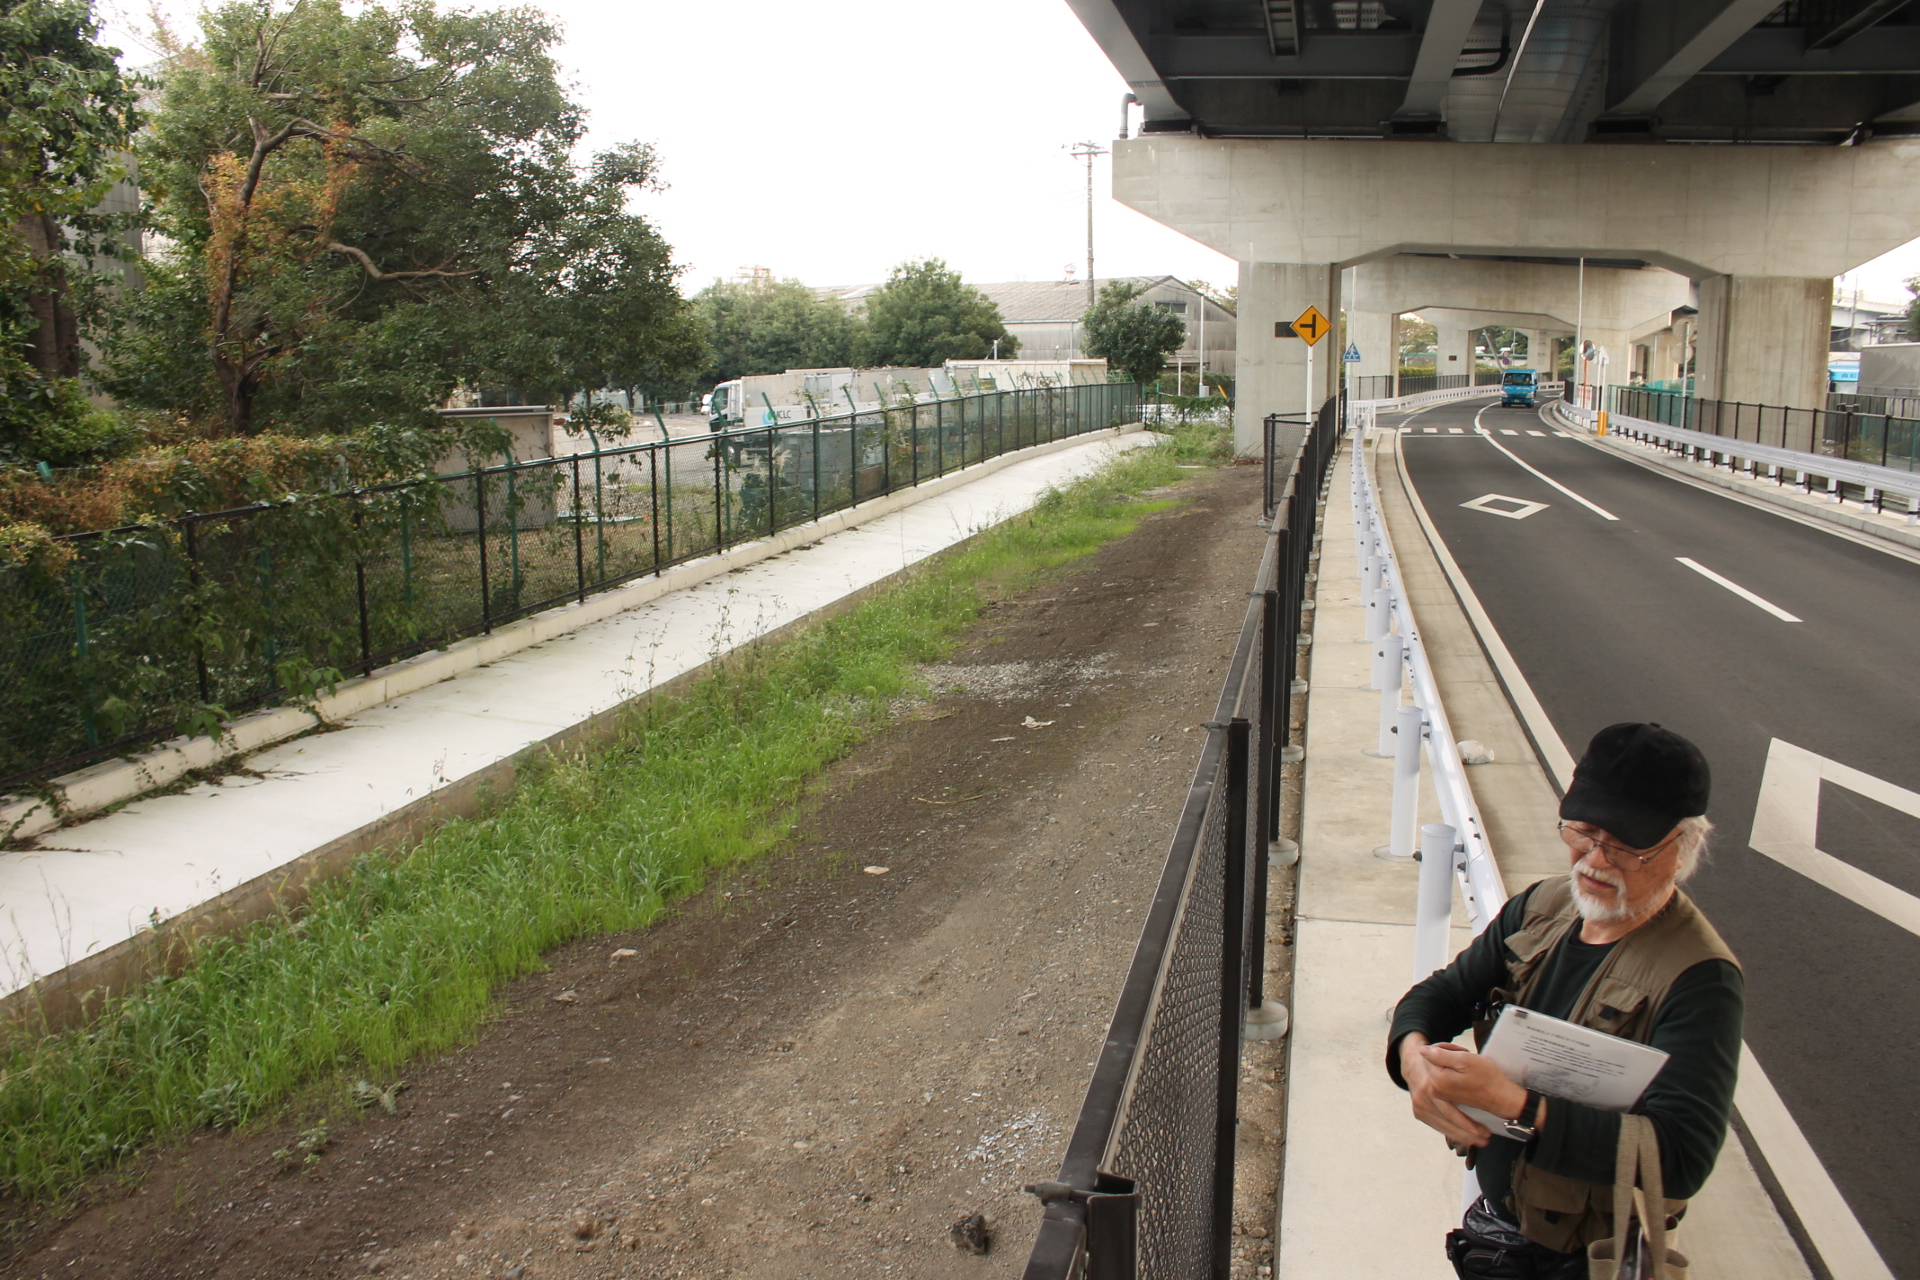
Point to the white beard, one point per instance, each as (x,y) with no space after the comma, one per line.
(1594,909)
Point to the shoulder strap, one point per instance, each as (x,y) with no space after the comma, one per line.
(1638,1161)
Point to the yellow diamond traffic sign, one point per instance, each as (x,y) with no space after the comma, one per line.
(1311,326)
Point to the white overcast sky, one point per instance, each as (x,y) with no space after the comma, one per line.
(829,141)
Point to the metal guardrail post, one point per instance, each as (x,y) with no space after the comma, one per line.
(1433,909)
(1409,728)
(1390,661)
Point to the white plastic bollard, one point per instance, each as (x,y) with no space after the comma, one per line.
(1389,650)
(1433,912)
(1370,576)
(1913,511)
(1409,724)
(1379,614)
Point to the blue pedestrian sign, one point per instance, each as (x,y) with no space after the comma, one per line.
(1353,353)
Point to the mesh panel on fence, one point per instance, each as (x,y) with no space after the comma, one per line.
(1166,1140)
(146,628)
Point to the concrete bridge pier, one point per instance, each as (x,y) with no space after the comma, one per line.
(1271,370)
(1760,230)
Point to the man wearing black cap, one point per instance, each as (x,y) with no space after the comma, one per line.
(1615,946)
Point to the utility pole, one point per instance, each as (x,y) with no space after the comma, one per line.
(1087,151)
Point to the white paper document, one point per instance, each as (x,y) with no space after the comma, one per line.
(1561,1059)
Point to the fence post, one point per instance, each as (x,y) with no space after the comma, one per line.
(580,538)
(360,584)
(1409,724)
(773,489)
(1433,911)
(816,465)
(1233,915)
(193,577)
(719,505)
(480,526)
(82,646)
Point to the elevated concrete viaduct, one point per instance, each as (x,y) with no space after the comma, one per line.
(1763,230)
(1303,138)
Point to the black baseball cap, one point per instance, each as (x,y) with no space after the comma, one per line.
(1636,782)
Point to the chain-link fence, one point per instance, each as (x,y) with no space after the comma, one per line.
(1146,1185)
(132,634)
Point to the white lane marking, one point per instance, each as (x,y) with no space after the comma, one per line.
(1455,431)
(1786,822)
(1521,507)
(1508,431)
(1535,433)
(1594,507)
(1738,590)
(1431,430)
(1836,1234)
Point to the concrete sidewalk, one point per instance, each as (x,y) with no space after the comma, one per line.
(78,904)
(1367,1190)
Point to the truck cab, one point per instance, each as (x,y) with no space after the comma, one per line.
(1517,387)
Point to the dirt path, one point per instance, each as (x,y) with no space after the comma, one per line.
(813,1069)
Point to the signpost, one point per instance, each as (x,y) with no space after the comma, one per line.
(1309,326)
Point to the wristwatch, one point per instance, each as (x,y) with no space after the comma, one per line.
(1525,1126)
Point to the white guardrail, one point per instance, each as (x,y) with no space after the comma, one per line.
(1455,848)
(1723,452)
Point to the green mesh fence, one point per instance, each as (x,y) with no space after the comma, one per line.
(150,631)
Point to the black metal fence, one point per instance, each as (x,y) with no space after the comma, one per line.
(1146,1185)
(137,633)
(1386,386)
(1841,432)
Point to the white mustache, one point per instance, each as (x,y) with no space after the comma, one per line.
(1607,876)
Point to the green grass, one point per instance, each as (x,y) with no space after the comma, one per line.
(404,954)
(1192,442)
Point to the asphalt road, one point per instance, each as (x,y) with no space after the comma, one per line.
(1607,625)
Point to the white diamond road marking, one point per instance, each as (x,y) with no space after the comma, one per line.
(1738,590)
(1520,511)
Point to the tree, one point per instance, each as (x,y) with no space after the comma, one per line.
(1134,336)
(924,316)
(368,208)
(770,326)
(65,118)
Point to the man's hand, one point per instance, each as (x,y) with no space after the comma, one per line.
(1443,1078)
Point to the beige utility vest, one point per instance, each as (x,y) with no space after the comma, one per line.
(1623,998)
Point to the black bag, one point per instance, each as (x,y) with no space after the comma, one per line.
(1485,1246)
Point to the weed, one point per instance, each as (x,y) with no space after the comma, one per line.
(306,1149)
(405,953)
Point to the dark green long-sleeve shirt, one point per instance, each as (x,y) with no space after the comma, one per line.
(1688,1102)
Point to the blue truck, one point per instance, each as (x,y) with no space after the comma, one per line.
(1516,388)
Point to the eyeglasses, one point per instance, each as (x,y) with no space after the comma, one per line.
(1618,856)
